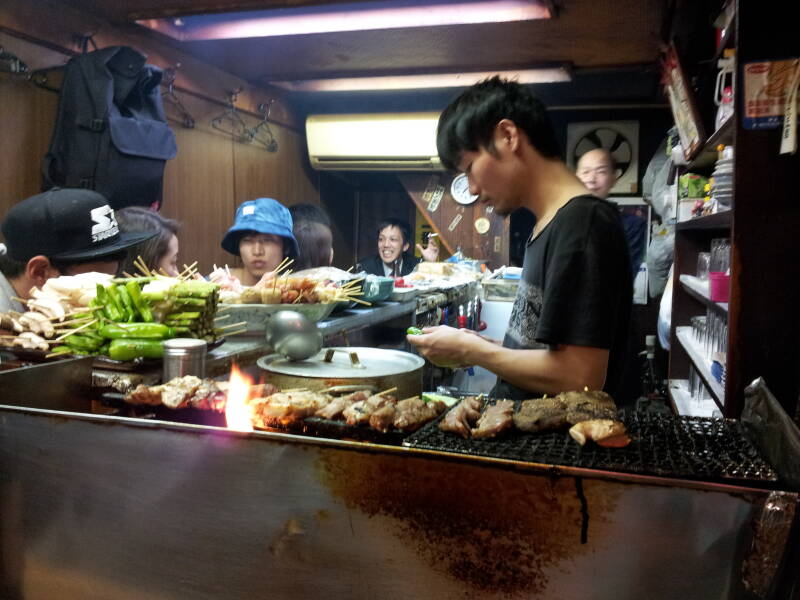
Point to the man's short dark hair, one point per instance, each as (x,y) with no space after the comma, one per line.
(405,228)
(10,267)
(468,123)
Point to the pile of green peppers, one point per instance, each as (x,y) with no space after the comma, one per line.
(124,327)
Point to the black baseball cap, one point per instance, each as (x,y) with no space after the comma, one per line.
(66,224)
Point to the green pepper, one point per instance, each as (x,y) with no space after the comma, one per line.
(126,280)
(82,342)
(183,316)
(414,331)
(193,288)
(150,331)
(116,302)
(126,302)
(140,303)
(129,349)
(104,304)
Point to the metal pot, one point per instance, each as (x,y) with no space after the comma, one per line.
(353,368)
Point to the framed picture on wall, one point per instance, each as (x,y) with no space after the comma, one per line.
(620,138)
(681,101)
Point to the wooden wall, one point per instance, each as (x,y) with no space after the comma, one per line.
(212,173)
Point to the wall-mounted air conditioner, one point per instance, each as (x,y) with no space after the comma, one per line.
(373,142)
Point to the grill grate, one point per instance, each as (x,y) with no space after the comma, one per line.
(661,445)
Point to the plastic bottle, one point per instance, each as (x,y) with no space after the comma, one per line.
(725,109)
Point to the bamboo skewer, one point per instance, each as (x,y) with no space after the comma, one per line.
(231,325)
(77,329)
(394,389)
(222,318)
(143,268)
(232,333)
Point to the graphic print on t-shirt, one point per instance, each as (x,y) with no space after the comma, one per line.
(525,317)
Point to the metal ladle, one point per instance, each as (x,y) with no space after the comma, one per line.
(293,336)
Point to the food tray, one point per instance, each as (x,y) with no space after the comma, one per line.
(256,316)
(99,362)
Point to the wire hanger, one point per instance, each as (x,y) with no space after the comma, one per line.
(262,133)
(187,120)
(231,121)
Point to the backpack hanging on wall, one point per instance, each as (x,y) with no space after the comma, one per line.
(111,134)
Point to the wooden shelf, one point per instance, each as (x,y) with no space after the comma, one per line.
(686,406)
(720,220)
(698,289)
(707,156)
(701,363)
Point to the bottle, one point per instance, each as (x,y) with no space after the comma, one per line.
(725,109)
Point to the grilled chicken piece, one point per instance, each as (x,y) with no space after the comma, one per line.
(186,391)
(604,432)
(335,408)
(495,419)
(413,413)
(359,413)
(567,408)
(462,416)
(289,406)
(383,418)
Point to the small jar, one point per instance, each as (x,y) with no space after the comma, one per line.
(184,356)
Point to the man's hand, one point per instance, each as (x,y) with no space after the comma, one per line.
(443,346)
(431,252)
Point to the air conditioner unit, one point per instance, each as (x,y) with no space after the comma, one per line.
(373,142)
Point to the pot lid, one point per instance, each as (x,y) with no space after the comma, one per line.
(344,362)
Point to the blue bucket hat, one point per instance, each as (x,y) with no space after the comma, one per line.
(262,215)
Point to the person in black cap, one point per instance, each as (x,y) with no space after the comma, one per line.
(262,236)
(59,232)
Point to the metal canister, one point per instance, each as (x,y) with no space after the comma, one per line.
(184,356)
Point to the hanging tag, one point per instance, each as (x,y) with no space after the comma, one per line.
(433,193)
(789,132)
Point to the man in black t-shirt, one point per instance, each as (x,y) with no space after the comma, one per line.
(569,324)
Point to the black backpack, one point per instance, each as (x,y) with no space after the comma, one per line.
(111,134)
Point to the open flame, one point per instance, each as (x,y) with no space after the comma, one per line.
(237,409)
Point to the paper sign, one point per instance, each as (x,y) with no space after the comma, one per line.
(433,193)
(454,223)
(497,243)
(766,91)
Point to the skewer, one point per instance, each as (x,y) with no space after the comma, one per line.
(21,300)
(394,389)
(227,270)
(232,325)
(237,332)
(188,270)
(358,301)
(126,274)
(77,329)
(223,309)
(285,262)
(350,268)
(62,353)
(222,318)
(139,263)
(294,390)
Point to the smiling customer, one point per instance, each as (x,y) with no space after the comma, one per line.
(262,236)
(393,259)
(569,324)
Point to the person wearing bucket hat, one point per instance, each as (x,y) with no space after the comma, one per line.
(62,231)
(262,236)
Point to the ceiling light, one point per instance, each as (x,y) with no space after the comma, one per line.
(354,16)
(434,80)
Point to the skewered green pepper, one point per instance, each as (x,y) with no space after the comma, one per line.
(151,331)
(414,331)
(140,303)
(127,304)
(129,349)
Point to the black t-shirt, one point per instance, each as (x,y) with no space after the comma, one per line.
(576,288)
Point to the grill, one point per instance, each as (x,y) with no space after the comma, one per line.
(661,445)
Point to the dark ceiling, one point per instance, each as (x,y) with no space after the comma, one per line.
(612,46)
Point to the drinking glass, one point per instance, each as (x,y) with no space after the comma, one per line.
(703,263)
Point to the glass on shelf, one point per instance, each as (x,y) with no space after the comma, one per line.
(703,263)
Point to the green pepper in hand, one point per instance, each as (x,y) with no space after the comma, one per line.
(414,331)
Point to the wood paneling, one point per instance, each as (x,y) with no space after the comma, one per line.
(455,223)
(211,174)
(27,114)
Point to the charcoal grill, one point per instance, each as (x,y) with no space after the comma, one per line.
(661,445)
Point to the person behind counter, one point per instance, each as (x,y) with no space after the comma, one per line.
(312,230)
(59,232)
(393,259)
(159,253)
(569,323)
(262,236)
(598,172)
